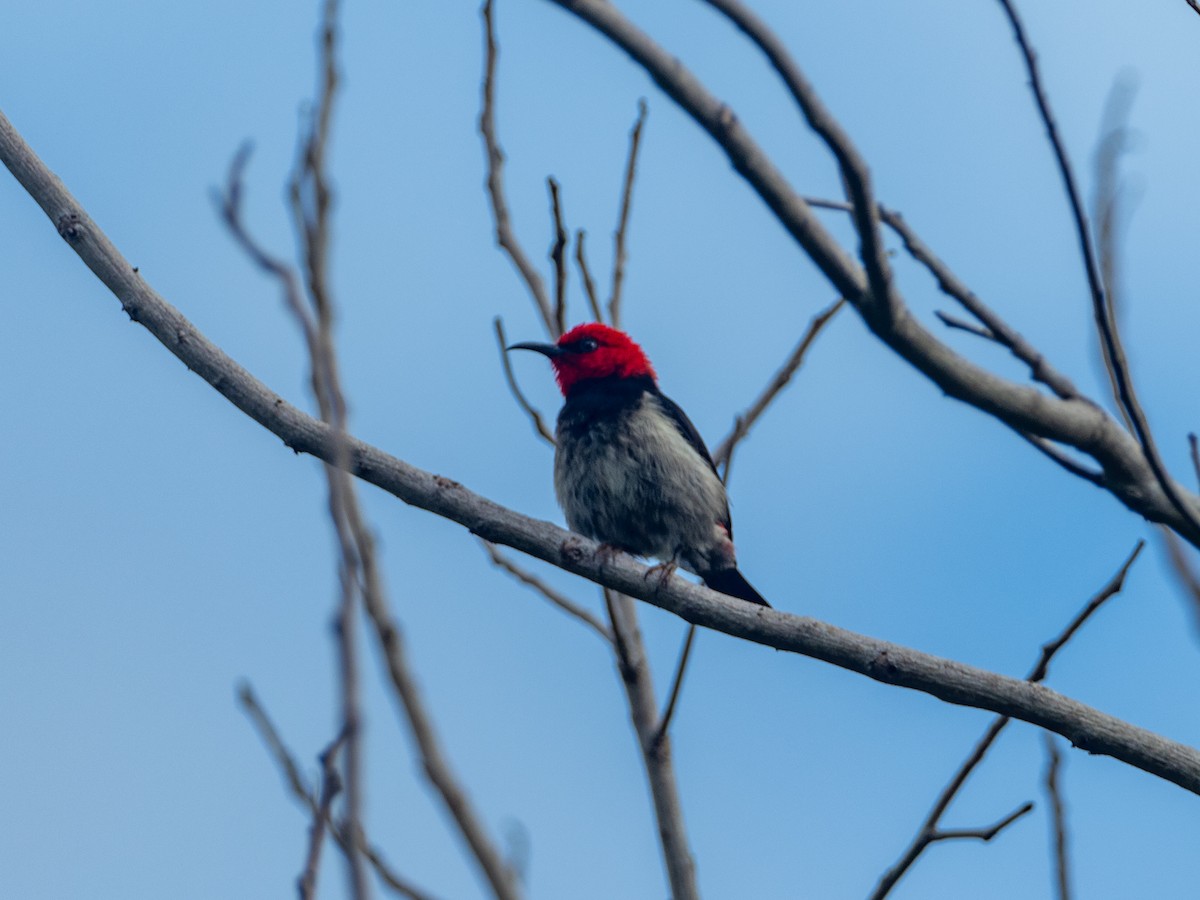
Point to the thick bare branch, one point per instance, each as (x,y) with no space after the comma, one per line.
(528,578)
(743,423)
(856,177)
(506,237)
(950,681)
(301,791)
(535,417)
(1077,423)
(930,828)
(619,253)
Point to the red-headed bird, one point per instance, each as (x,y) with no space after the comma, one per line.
(630,469)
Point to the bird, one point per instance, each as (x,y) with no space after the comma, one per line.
(630,469)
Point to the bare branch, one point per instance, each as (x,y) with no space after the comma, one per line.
(1109,334)
(882,300)
(1058,816)
(301,791)
(619,255)
(953,682)
(331,785)
(664,724)
(984,834)
(952,286)
(539,424)
(1194,4)
(589,285)
(1075,422)
(558,256)
(528,578)
(1058,456)
(929,829)
(655,745)
(743,423)
(970,327)
(506,237)
(1195,451)
(500,877)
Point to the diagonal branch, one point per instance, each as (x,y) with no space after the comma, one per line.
(930,828)
(742,424)
(585,273)
(528,578)
(535,417)
(952,286)
(856,177)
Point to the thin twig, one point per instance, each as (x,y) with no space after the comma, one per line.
(558,256)
(744,422)
(929,829)
(331,786)
(506,237)
(1194,444)
(1058,817)
(970,327)
(589,285)
(301,791)
(1109,333)
(535,417)
(664,723)
(984,834)
(528,578)
(619,254)
(1051,451)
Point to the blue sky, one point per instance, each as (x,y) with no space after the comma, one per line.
(159,547)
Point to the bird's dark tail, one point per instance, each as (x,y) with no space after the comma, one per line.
(733,583)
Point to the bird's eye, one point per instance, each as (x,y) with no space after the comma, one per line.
(587,345)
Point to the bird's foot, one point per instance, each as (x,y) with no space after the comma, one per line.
(607,552)
(663,572)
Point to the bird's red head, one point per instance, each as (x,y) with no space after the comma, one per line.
(593,351)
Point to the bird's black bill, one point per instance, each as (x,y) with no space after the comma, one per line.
(549,350)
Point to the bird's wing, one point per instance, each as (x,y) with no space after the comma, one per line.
(692,435)
(686,428)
